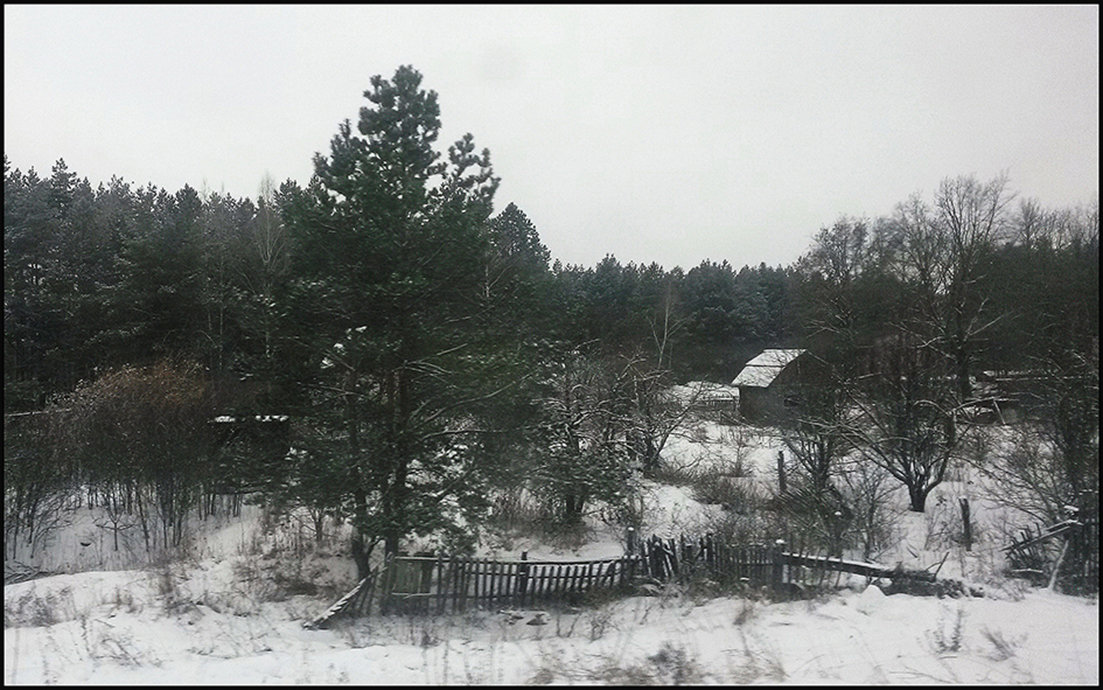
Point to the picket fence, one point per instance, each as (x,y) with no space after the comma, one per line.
(439,584)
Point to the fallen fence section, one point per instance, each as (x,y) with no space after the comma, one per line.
(1032,553)
(351,603)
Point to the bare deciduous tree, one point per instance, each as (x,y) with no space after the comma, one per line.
(909,415)
(941,251)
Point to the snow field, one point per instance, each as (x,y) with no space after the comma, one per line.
(230,608)
(852,637)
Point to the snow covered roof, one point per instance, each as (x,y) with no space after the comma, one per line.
(761,371)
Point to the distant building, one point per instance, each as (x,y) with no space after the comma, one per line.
(768,385)
(716,401)
(1004,397)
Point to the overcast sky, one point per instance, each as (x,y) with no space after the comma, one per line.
(655,133)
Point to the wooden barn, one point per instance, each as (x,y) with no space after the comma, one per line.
(768,385)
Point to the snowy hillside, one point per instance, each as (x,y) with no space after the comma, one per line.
(230,609)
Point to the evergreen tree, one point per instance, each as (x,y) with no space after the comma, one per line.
(390,244)
(160,300)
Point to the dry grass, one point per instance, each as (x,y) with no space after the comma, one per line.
(34,610)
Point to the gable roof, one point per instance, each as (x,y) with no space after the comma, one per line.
(761,371)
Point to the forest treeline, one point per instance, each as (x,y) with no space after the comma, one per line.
(95,278)
(427,348)
(98,277)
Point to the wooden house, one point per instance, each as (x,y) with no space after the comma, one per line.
(768,385)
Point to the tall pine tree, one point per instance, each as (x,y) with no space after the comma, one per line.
(389,265)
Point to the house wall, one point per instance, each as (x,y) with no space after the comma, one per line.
(766,405)
(756,405)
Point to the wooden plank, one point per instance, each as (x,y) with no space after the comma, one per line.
(457,577)
(465,583)
(473,582)
(480,582)
(523,580)
(484,567)
(438,603)
(554,581)
(337,607)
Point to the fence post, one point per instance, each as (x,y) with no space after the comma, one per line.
(776,579)
(442,582)
(630,538)
(688,552)
(837,535)
(781,483)
(522,577)
(967,525)
(386,584)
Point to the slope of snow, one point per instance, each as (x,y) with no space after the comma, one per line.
(230,611)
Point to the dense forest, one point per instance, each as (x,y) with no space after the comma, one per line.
(428,351)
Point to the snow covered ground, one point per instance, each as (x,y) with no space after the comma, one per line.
(231,612)
(117,628)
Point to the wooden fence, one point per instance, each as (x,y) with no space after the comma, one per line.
(1085,562)
(1032,553)
(413,584)
(783,565)
(661,560)
(437,585)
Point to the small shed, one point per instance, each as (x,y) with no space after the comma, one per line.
(767,384)
(716,401)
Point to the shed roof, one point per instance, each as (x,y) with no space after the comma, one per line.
(761,371)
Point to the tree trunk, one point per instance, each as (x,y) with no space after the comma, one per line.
(573,509)
(918,498)
(360,517)
(360,555)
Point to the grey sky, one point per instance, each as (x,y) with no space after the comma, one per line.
(655,133)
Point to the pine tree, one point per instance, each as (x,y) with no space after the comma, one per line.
(390,244)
